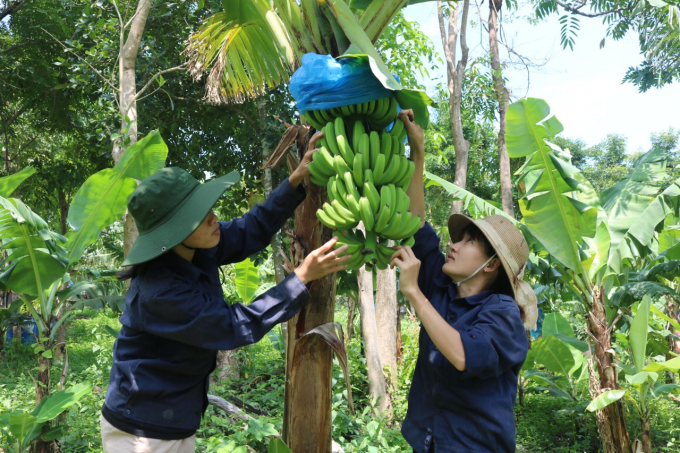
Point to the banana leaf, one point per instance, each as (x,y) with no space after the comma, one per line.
(34,255)
(547,182)
(472,203)
(247,279)
(605,399)
(638,333)
(102,199)
(8,184)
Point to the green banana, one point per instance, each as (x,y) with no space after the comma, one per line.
(317,174)
(406,180)
(402,149)
(379,168)
(390,171)
(386,146)
(345,110)
(340,188)
(396,148)
(394,225)
(403,199)
(402,136)
(366,213)
(324,161)
(340,165)
(357,131)
(345,150)
(385,197)
(381,109)
(398,128)
(311,119)
(403,170)
(355,262)
(413,226)
(326,220)
(349,184)
(364,147)
(329,134)
(330,212)
(352,204)
(368,176)
(375,147)
(339,124)
(372,194)
(383,216)
(357,169)
(315,180)
(409,241)
(343,211)
(327,117)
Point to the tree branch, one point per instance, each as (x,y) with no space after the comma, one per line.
(23,44)
(13,8)
(83,60)
(155,76)
(574,10)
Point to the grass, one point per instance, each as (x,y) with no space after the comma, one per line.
(544,424)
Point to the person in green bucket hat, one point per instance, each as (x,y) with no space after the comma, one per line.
(176,319)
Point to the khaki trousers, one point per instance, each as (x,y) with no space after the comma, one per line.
(117,441)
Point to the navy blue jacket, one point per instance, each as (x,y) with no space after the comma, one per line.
(175,320)
(469,411)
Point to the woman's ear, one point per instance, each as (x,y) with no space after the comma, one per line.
(493,265)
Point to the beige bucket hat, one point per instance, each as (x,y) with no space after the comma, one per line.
(513,251)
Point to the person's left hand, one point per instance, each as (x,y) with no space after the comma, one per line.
(301,172)
(409,268)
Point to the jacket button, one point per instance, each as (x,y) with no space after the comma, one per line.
(474,337)
(127,412)
(429,430)
(452,316)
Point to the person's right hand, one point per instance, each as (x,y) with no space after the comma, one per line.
(416,136)
(322,261)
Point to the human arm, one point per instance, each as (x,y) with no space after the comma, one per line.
(416,142)
(447,339)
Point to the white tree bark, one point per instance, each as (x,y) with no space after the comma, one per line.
(454,73)
(377,387)
(387,315)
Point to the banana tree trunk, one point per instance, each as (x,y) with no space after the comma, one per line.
(42,389)
(454,75)
(646,429)
(377,386)
(611,420)
(502,96)
(387,315)
(307,408)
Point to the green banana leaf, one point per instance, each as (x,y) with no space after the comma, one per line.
(60,401)
(605,399)
(21,425)
(102,199)
(472,202)
(552,214)
(672,365)
(8,184)
(635,207)
(556,323)
(247,280)
(276,445)
(638,333)
(35,257)
(553,354)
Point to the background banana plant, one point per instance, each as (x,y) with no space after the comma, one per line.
(38,260)
(591,241)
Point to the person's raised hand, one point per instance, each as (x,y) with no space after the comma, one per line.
(302,170)
(416,136)
(323,261)
(409,268)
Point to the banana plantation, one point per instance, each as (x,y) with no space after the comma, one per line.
(97,96)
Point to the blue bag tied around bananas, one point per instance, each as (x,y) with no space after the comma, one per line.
(365,171)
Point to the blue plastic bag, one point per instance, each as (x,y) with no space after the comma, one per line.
(322,82)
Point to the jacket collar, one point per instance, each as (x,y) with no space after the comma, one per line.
(190,270)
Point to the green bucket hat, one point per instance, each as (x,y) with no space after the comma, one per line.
(168,206)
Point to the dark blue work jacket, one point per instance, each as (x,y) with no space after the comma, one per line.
(469,411)
(175,320)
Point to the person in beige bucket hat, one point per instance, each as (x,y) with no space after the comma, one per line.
(474,306)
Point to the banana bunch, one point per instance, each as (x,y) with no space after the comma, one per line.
(378,113)
(366,176)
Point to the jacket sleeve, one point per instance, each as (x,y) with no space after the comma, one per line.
(493,343)
(426,249)
(251,233)
(182,313)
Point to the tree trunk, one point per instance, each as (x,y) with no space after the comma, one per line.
(227,366)
(307,408)
(128,104)
(63,211)
(503,98)
(646,434)
(387,315)
(611,420)
(673,344)
(42,389)
(454,73)
(351,309)
(377,386)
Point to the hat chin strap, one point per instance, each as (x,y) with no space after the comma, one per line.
(190,248)
(475,272)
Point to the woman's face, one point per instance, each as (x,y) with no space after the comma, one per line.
(207,235)
(464,258)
